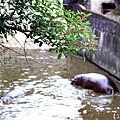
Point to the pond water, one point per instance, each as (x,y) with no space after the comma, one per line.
(51,96)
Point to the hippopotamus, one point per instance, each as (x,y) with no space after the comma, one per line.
(8,97)
(96,82)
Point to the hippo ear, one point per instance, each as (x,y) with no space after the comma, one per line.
(110,91)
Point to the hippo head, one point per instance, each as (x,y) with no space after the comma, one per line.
(5,102)
(77,81)
(6,99)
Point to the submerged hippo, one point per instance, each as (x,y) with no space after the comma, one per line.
(8,97)
(96,82)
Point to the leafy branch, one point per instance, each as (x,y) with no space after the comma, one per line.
(44,21)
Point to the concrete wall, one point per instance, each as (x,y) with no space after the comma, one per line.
(96,5)
(93,5)
(108,31)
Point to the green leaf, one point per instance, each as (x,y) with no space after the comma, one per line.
(61,50)
(36,41)
(66,54)
(51,49)
(84,58)
(59,55)
(93,56)
(40,43)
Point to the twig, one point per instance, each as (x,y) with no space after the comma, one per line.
(25,54)
(19,54)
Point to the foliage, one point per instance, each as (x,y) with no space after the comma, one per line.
(44,22)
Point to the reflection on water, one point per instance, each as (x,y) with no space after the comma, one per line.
(51,96)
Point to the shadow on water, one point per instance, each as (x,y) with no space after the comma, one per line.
(51,96)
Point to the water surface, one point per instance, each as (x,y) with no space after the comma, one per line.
(51,96)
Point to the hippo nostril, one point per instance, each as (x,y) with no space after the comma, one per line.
(73,82)
(5,101)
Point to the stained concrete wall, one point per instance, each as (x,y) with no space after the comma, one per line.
(94,5)
(108,31)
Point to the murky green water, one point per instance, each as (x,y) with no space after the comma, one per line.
(51,96)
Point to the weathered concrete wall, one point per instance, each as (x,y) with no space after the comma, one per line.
(108,31)
(93,5)
(96,5)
